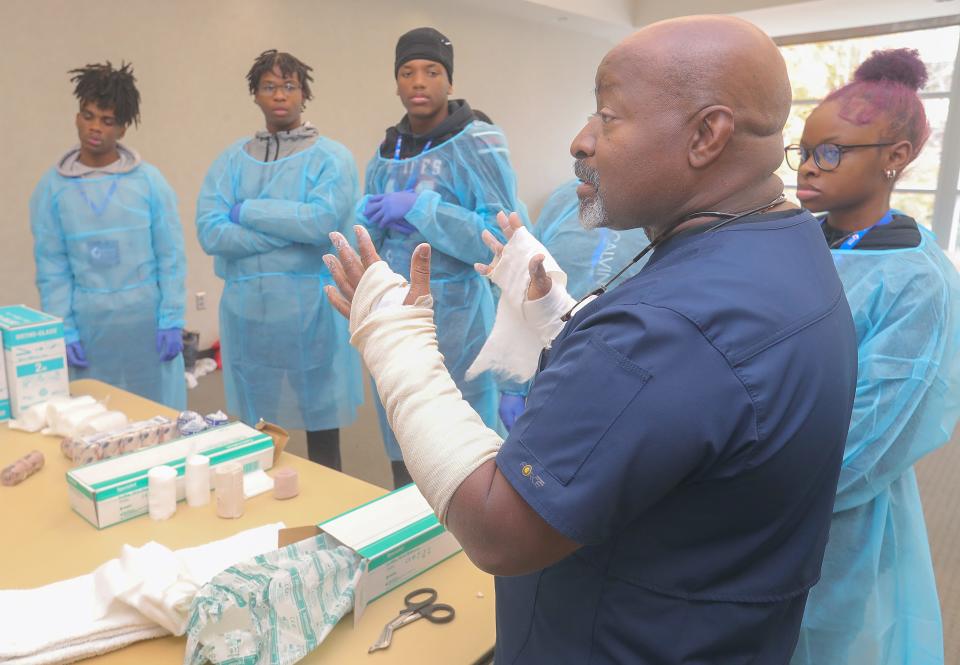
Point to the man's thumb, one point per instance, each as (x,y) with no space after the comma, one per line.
(419,274)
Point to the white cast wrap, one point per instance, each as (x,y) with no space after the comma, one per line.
(522,328)
(443,439)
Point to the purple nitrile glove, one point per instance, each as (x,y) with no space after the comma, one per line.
(402,226)
(76,356)
(511,406)
(169,343)
(235,212)
(372,207)
(394,206)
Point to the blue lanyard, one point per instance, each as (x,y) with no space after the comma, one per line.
(98,209)
(854,238)
(396,151)
(412,180)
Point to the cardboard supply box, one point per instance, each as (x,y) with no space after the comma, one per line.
(115,490)
(4,394)
(35,357)
(398,537)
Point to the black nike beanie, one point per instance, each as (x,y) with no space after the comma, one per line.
(424,44)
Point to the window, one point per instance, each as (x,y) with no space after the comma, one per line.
(817,68)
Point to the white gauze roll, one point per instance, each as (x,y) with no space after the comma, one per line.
(56,409)
(71,421)
(34,419)
(197,480)
(162,492)
(513,347)
(443,439)
(109,421)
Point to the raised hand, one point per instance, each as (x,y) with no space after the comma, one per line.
(540,282)
(347,269)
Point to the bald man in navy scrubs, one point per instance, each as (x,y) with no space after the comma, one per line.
(666,496)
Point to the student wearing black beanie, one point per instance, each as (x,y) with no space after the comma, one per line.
(424,44)
(440,176)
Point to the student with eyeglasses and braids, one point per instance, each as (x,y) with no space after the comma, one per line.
(265,212)
(109,248)
(876,601)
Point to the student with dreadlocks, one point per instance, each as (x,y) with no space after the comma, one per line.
(109,248)
(264,213)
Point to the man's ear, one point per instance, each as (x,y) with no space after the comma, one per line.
(714,126)
(123,132)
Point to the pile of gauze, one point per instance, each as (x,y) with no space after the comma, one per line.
(69,416)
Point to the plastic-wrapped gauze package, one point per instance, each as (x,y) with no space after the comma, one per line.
(87,449)
(275,608)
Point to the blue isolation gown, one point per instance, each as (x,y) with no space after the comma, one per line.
(876,602)
(286,352)
(589,258)
(110,262)
(462,184)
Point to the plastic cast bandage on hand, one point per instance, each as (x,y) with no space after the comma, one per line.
(522,327)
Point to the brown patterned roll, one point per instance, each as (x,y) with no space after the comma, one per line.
(22,469)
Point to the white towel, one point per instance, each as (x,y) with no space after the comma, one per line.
(145,593)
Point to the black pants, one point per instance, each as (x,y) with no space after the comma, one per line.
(323,447)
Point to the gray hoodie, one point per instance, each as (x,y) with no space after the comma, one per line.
(267,147)
(69,165)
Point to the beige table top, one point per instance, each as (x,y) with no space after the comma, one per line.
(45,541)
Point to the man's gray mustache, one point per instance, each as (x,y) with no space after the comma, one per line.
(585,173)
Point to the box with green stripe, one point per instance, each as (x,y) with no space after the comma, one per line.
(35,359)
(115,490)
(397,536)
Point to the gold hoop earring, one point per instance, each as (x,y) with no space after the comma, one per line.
(890,174)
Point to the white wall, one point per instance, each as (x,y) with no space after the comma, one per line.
(191,56)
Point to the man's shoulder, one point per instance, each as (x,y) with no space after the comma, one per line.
(746,285)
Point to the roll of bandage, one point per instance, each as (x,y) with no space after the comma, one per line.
(228,487)
(86,453)
(286,484)
(197,480)
(70,421)
(22,469)
(162,492)
(34,419)
(109,421)
(56,409)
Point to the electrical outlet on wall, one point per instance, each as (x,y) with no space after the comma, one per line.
(201,300)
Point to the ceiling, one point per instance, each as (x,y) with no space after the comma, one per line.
(613,19)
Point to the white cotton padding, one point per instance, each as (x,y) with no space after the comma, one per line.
(34,419)
(108,421)
(56,409)
(196,478)
(162,492)
(69,422)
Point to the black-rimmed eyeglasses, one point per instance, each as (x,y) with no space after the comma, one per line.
(826,155)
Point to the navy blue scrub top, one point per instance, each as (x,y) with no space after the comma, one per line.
(687,429)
